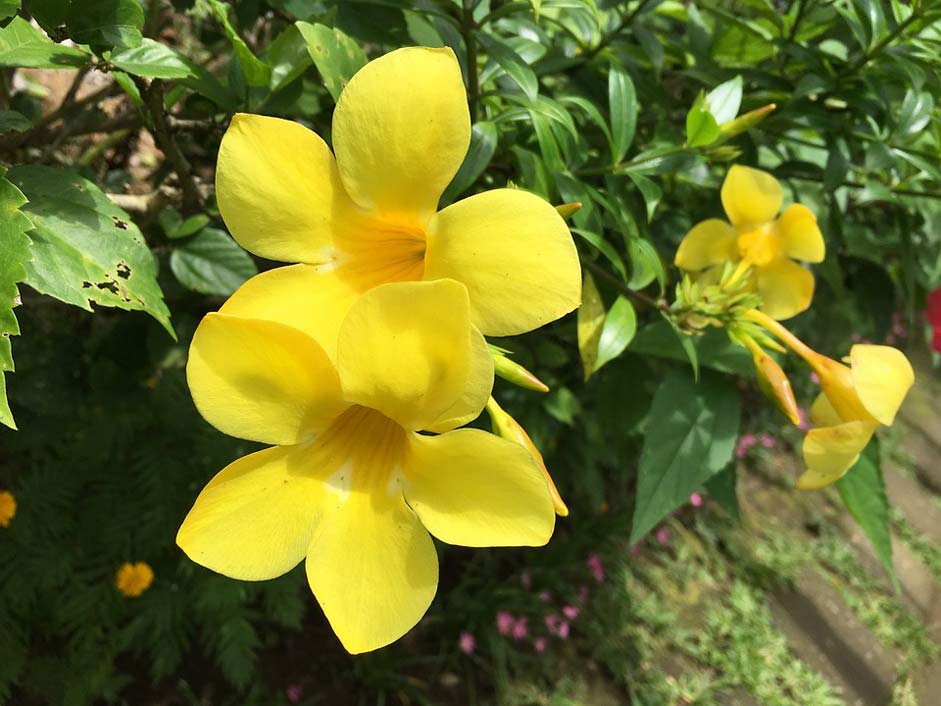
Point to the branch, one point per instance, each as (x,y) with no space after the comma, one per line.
(625,290)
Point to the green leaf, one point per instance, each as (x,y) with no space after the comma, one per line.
(85,249)
(483,144)
(915,113)
(14,254)
(512,63)
(212,263)
(8,8)
(257,72)
(620,325)
(605,248)
(155,60)
(650,190)
(863,493)
(713,349)
(622,99)
(13,121)
(106,24)
(701,127)
(724,100)
(336,56)
(646,265)
(691,433)
(23,45)
(590,324)
(721,488)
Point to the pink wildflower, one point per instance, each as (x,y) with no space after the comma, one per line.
(467,643)
(570,612)
(804,424)
(745,442)
(663,536)
(520,629)
(767,441)
(695,500)
(583,592)
(545,597)
(294,693)
(552,622)
(563,630)
(539,644)
(596,567)
(505,622)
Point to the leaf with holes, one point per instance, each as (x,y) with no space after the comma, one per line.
(336,56)
(85,249)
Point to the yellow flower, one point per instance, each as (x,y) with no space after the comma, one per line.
(349,483)
(401,129)
(133,579)
(855,400)
(754,238)
(7,508)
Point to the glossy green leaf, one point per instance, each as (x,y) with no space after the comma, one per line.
(713,349)
(212,263)
(690,437)
(915,113)
(14,254)
(106,24)
(622,100)
(722,488)
(336,56)
(257,72)
(863,492)
(23,45)
(590,324)
(620,325)
(483,144)
(85,249)
(649,190)
(8,8)
(701,127)
(605,248)
(512,63)
(724,100)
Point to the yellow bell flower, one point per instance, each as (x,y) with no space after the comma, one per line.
(349,483)
(854,401)
(400,132)
(133,579)
(7,508)
(755,239)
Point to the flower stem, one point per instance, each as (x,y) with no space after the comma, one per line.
(625,290)
(470,42)
(810,356)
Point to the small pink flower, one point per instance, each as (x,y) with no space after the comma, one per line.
(804,423)
(505,622)
(294,693)
(663,536)
(467,643)
(583,592)
(745,442)
(570,612)
(767,441)
(564,630)
(539,644)
(552,622)
(695,500)
(545,597)
(520,629)
(596,567)
(635,550)
(526,581)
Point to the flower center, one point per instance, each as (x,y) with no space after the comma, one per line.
(361,452)
(383,253)
(760,245)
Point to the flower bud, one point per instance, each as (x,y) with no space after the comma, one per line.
(775,385)
(746,121)
(505,426)
(516,373)
(567,210)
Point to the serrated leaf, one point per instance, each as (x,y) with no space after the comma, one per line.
(622,99)
(257,72)
(106,24)
(483,144)
(212,263)
(513,65)
(85,249)
(620,325)
(14,254)
(336,56)
(701,127)
(23,45)
(862,490)
(690,437)
(590,324)
(724,100)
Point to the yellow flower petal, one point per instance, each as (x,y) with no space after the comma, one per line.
(373,568)
(882,377)
(478,490)
(312,299)
(255,519)
(708,243)
(830,452)
(404,350)
(800,235)
(261,380)
(786,288)
(8,507)
(477,389)
(400,131)
(822,413)
(279,191)
(514,253)
(750,196)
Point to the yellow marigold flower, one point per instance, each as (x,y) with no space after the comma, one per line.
(754,238)
(349,483)
(133,579)
(7,508)
(401,129)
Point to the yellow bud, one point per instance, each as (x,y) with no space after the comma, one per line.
(745,121)
(133,579)
(567,210)
(508,428)
(774,383)
(516,373)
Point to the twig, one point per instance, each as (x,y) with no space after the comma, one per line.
(152,95)
(624,289)
(468,26)
(626,20)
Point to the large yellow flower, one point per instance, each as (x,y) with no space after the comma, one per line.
(754,238)
(400,131)
(855,400)
(349,483)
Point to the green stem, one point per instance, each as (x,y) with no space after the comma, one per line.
(468,27)
(624,289)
